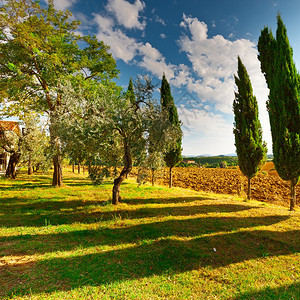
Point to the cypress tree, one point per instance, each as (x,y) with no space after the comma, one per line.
(276,57)
(250,148)
(173,157)
(130,92)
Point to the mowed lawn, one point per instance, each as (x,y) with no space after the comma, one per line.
(160,243)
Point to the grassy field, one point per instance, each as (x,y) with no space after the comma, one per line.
(71,243)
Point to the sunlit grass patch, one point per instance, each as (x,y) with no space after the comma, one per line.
(71,243)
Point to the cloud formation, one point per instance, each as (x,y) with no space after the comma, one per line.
(63,4)
(122,46)
(209,128)
(126,13)
(214,62)
(209,73)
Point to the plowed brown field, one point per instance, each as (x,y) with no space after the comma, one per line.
(267,186)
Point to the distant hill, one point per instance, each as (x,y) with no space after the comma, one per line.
(210,161)
(209,155)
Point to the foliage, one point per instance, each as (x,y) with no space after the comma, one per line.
(251,150)
(9,140)
(38,48)
(173,156)
(35,143)
(10,143)
(211,161)
(276,57)
(223,164)
(130,92)
(111,129)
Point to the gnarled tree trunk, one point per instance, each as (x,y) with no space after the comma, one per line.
(125,171)
(30,170)
(11,168)
(57,172)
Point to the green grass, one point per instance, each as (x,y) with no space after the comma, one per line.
(71,243)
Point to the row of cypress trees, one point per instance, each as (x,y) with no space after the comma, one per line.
(276,58)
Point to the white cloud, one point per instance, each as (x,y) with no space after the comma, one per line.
(200,120)
(214,60)
(126,13)
(198,29)
(63,4)
(154,62)
(163,36)
(127,48)
(159,20)
(122,46)
(208,128)
(106,24)
(182,76)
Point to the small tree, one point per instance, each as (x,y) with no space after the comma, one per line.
(34,143)
(173,156)
(276,58)
(223,164)
(130,92)
(250,148)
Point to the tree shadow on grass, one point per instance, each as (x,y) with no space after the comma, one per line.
(187,228)
(164,256)
(25,186)
(175,200)
(58,212)
(79,181)
(286,292)
(41,181)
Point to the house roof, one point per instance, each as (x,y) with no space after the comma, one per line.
(10,125)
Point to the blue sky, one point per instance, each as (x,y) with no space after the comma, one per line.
(196,44)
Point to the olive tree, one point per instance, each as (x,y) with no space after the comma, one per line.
(113,129)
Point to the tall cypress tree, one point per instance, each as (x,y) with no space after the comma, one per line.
(173,157)
(250,148)
(276,57)
(130,92)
